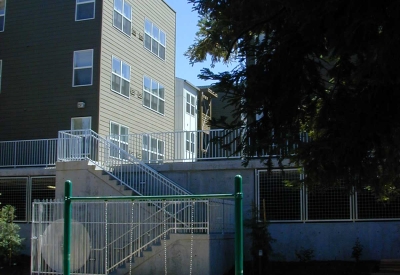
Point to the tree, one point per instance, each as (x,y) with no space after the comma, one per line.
(327,68)
(10,241)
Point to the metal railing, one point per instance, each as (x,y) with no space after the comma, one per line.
(118,163)
(110,234)
(182,146)
(22,153)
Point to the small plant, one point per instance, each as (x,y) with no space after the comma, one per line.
(260,237)
(10,241)
(305,255)
(357,250)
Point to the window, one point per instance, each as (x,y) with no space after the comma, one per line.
(123,16)
(119,137)
(121,74)
(153,95)
(153,149)
(2,14)
(190,142)
(1,66)
(84,10)
(154,39)
(190,104)
(83,68)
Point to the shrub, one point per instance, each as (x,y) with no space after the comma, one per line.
(10,241)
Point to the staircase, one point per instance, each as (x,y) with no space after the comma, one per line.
(129,176)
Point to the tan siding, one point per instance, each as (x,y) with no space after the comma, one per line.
(131,112)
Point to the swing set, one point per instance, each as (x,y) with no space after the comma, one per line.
(237,195)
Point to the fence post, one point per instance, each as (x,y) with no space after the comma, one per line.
(238,225)
(67,227)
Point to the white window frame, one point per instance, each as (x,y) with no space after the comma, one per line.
(122,141)
(159,153)
(113,72)
(3,16)
(191,104)
(74,68)
(86,118)
(158,40)
(81,3)
(122,13)
(1,72)
(152,95)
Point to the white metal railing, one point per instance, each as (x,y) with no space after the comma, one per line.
(21,153)
(183,146)
(131,172)
(107,235)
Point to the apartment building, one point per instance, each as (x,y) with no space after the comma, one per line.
(106,65)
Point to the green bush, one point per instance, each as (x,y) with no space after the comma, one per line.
(10,241)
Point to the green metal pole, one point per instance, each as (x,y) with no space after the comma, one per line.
(67,227)
(238,225)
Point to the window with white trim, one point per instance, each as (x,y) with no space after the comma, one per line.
(190,104)
(119,137)
(153,149)
(120,77)
(83,68)
(190,141)
(122,16)
(154,39)
(153,95)
(2,14)
(1,68)
(84,10)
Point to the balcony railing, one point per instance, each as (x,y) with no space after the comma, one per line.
(22,153)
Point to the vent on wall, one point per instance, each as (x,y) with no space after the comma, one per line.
(132,92)
(141,36)
(139,95)
(133,32)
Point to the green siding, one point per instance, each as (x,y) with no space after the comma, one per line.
(37,46)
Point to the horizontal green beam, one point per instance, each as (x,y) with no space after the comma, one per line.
(168,197)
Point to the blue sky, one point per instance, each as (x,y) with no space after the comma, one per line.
(186,28)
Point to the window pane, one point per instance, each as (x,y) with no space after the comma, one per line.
(116,66)
(126,71)
(154,145)
(118,5)
(1,23)
(146,84)
(116,83)
(188,108)
(160,147)
(114,129)
(154,45)
(162,38)
(156,33)
(83,77)
(117,20)
(85,11)
(124,130)
(127,27)
(147,26)
(146,100)
(154,87)
(145,142)
(125,88)
(83,59)
(127,10)
(162,52)
(161,106)
(147,42)
(161,91)
(154,101)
